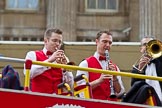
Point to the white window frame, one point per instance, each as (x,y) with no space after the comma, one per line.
(101,10)
(15,7)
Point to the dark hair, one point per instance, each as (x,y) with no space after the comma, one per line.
(49,32)
(101,32)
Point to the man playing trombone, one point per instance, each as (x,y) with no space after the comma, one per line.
(103,85)
(150,63)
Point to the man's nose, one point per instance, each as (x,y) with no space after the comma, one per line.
(107,44)
(57,42)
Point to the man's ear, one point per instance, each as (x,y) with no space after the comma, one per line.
(45,40)
(96,41)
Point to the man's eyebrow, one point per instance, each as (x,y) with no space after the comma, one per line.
(143,44)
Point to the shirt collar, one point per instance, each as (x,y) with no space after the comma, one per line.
(44,50)
(96,55)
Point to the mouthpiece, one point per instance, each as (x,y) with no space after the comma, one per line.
(56,49)
(107,55)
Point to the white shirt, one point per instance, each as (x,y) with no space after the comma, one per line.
(151,71)
(38,69)
(103,65)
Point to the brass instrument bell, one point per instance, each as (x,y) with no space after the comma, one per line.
(153,50)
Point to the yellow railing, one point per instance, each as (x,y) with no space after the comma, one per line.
(97,70)
(72,67)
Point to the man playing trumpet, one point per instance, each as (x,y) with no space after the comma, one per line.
(45,79)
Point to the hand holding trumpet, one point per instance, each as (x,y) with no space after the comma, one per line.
(62,59)
(59,57)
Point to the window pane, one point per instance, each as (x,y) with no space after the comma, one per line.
(33,4)
(11,3)
(111,4)
(22,4)
(91,4)
(101,4)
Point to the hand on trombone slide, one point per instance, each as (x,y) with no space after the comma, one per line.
(144,61)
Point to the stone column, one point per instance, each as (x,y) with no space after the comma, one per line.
(62,14)
(150,18)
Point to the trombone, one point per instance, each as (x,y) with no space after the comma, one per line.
(153,51)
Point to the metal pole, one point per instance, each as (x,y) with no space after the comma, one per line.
(84,69)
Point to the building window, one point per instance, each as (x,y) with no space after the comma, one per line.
(22,4)
(102,5)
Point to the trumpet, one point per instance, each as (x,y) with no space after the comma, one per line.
(64,59)
(112,91)
(153,50)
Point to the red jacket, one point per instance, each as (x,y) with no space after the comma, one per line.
(47,81)
(102,91)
